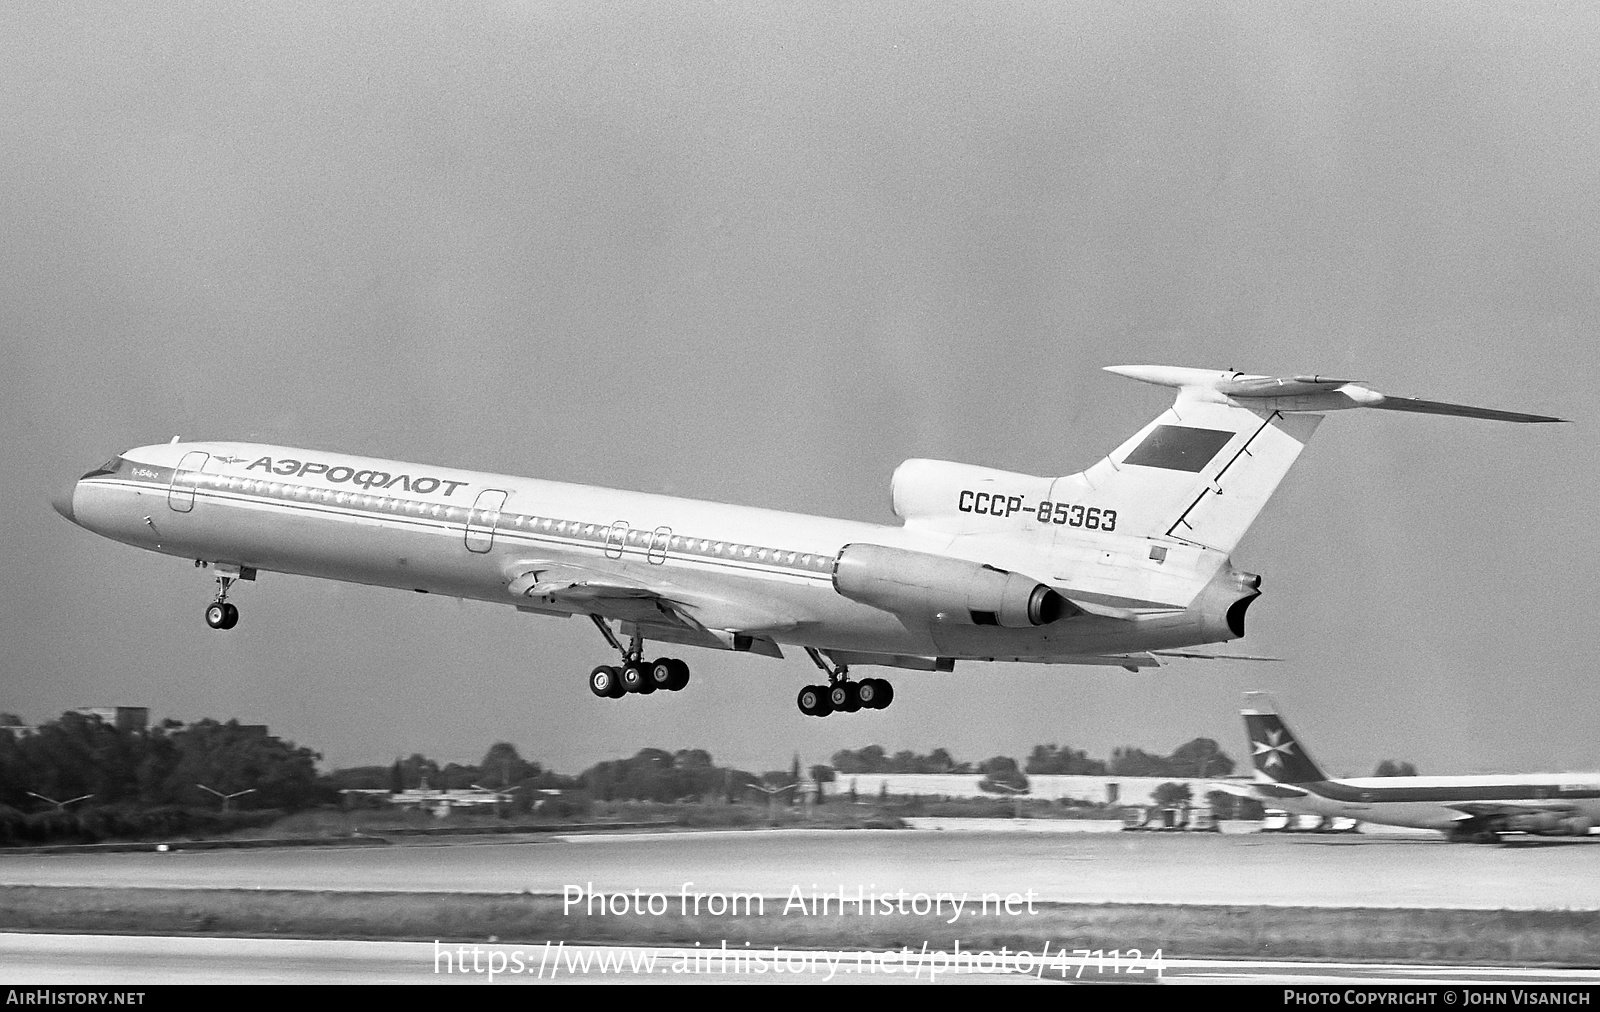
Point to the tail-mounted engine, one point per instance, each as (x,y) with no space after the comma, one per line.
(935,588)
(942,490)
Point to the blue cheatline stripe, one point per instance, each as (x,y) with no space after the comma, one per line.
(1549,794)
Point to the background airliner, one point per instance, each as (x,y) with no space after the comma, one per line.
(1469,808)
(1119,564)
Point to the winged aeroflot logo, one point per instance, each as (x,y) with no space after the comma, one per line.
(230,460)
(1274,748)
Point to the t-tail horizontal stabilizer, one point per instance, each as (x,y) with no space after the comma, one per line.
(1303,393)
(1201,472)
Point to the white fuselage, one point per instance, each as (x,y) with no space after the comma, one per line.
(1441,803)
(479,535)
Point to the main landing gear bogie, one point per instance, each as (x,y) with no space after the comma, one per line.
(635,675)
(842,694)
(612,681)
(845,697)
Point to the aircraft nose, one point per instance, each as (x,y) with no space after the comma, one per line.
(62,500)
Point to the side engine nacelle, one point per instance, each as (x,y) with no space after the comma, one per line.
(919,585)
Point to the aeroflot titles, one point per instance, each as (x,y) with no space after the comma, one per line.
(288,466)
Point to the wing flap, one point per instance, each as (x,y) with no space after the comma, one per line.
(1132,662)
(910,663)
(1197,655)
(550,580)
(669,614)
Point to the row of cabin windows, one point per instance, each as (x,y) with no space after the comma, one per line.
(602,533)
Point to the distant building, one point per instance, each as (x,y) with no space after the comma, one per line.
(441,802)
(1096,790)
(123,718)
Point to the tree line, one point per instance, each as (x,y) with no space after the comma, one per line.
(79,763)
(1200,758)
(82,758)
(79,778)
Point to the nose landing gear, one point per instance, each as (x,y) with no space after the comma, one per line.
(219,613)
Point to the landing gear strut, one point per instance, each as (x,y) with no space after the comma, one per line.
(219,613)
(635,675)
(841,694)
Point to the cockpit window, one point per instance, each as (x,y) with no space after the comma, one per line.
(109,467)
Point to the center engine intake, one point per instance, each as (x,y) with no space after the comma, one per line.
(920,585)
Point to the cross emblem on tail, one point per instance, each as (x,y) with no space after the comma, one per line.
(1274,748)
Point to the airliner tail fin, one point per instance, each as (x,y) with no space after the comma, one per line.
(1276,753)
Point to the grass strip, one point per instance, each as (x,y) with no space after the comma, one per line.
(1366,934)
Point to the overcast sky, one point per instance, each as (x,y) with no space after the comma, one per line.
(761,254)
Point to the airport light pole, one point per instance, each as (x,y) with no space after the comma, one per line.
(502,795)
(1016,796)
(61,806)
(772,794)
(226,797)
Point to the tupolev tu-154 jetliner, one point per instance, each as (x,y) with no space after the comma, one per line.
(1116,565)
(1475,809)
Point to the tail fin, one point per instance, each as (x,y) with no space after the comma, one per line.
(1202,472)
(1274,750)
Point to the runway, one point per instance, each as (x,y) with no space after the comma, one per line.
(1329,871)
(128,962)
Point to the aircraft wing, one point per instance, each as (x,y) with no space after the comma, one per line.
(575,589)
(1481,809)
(574,583)
(1200,655)
(1134,661)
(1235,788)
(670,614)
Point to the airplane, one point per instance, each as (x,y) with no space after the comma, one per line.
(1471,809)
(1126,563)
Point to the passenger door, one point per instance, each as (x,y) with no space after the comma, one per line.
(483,520)
(180,495)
